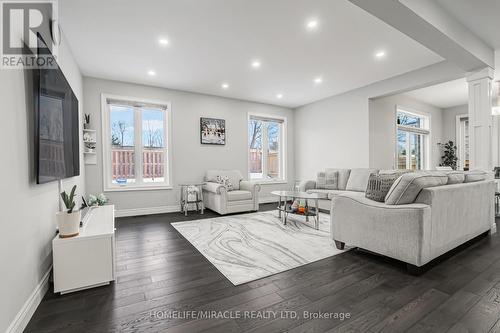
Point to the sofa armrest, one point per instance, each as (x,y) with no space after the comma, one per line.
(214,188)
(247,185)
(305,185)
(397,231)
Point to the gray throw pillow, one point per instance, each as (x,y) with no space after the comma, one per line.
(379,185)
(327,180)
(407,187)
(455,177)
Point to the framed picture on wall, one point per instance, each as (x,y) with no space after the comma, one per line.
(212,131)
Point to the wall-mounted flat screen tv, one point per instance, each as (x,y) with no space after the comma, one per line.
(57,123)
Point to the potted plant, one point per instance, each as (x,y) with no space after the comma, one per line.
(450,155)
(68,221)
(86,123)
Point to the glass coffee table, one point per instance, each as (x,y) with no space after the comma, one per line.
(285,208)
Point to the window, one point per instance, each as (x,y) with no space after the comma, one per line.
(462,134)
(135,143)
(266,148)
(412,140)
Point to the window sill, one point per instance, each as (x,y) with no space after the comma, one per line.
(137,188)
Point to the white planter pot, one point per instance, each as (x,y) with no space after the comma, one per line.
(68,224)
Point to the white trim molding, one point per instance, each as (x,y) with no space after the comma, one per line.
(147,211)
(29,307)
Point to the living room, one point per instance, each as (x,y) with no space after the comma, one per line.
(250,166)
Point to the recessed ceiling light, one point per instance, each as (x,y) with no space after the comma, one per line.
(163,41)
(279,96)
(380,54)
(318,80)
(256,64)
(151,73)
(225,85)
(312,24)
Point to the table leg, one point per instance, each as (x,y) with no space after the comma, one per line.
(279,207)
(182,199)
(186,205)
(306,211)
(316,225)
(201,198)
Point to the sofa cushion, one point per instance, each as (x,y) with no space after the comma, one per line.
(238,195)
(234,177)
(379,185)
(407,187)
(329,194)
(455,177)
(358,179)
(327,180)
(474,176)
(343,177)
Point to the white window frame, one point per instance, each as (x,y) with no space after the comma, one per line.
(426,132)
(459,139)
(282,153)
(138,185)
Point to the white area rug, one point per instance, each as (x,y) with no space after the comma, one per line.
(251,246)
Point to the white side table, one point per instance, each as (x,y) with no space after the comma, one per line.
(194,197)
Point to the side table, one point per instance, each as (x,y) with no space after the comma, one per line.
(191,193)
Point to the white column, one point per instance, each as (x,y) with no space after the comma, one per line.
(480,119)
(481,123)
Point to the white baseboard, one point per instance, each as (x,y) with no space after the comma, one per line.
(147,211)
(24,315)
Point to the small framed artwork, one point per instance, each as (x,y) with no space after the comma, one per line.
(212,131)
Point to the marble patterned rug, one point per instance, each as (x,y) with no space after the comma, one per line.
(251,246)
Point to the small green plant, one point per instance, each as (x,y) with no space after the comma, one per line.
(450,155)
(98,200)
(68,200)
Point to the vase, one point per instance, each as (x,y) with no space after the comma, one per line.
(68,224)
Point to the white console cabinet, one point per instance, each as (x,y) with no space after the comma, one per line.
(86,260)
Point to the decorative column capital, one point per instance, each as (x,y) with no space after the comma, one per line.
(484,73)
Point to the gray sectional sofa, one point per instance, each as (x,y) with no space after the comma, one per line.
(424,215)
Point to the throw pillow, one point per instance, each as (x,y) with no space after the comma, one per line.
(224,181)
(407,187)
(379,185)
(327,180)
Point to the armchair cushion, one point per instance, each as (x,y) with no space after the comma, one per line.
(238,195)
(234,177)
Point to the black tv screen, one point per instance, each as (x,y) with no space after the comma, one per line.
(57,137)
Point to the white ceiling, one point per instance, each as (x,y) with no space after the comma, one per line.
(444,95)
(482,17)
(214,41)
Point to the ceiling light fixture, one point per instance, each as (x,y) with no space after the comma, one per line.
(256,64)
(279,96)
(380,54)
(163,41)
(225,85)
(312,24)
(151,73)
(318,80)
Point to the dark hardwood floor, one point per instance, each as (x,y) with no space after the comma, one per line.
(159,271)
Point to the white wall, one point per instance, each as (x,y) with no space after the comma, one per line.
(382,126)
(190,159)
(334,132)
(449,121)
(28,210)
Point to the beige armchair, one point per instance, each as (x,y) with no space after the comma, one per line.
(242,198)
